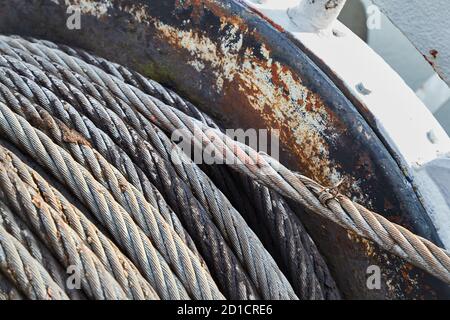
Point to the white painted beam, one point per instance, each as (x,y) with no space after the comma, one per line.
(403,120)
(426,23)
(316,15)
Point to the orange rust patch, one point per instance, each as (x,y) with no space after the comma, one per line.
(69,135)
(434,53)
(198,10)
(246,80)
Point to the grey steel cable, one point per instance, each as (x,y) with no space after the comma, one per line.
(396,239)
(20,231)
(17,264)
(316,198)
(132,239)
(282,234)
(187,266)
(276,224)
(288,241)
(289,236)
(47,122)
(259,263)
(27,202)
(86,132)
(81,228)
(162,174)
(135,79)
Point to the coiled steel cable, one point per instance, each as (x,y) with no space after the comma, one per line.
(421,253)
(91,135)
(78,226)
(20,231)
(289,235)
(316,198)
(164,176)
(185,263)
(97,198)
(218,253)
(26,200)
(258,262)
(134,115)
(283,235)
(25,272)
(396,239)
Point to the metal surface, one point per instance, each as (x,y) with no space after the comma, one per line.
(245,71)
(426,25)
(406,127)
(318,15)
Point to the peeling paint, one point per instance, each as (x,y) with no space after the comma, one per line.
(243,69)
(271,89)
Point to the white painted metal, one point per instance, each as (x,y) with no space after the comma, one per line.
(307,15)
(426,23)
(316,15)
(434,93)
(402,118)
(392,45)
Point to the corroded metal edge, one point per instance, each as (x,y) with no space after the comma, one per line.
(249,74)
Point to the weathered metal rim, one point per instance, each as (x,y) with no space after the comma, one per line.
(126,32)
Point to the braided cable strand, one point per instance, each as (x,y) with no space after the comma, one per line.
(97,198)
(259,263)
(25,272)
(95,280)
(226,266)
(20,231)
(340,209)
(71,219)
(288,240)
(295,251)
(154,226)
(89,134)
(26,201)
(135,79)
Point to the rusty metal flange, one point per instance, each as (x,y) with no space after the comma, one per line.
(244,70)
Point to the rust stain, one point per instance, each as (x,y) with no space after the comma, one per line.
(434,53)
(249,78)
(266,93)
(392,268)
(198,10)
